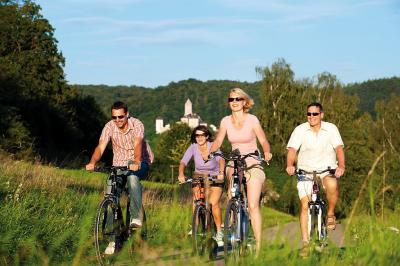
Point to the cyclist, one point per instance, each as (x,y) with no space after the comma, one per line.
(129,150)
(243,130)
(318,144)
(201,139)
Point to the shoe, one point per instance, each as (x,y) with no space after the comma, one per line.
(110,248)
(305,250)
(331,222)
(190,232)
(135,223)
(219,238)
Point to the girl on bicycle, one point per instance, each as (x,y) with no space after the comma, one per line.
(201,139)
(243,130)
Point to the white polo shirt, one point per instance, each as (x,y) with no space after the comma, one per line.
(316,149)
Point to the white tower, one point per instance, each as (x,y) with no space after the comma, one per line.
(188,107)
(159,125)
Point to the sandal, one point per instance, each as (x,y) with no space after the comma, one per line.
(331,222)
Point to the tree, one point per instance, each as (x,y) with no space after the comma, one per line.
(169,149)
(282,104)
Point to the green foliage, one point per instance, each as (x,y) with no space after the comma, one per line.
(167,102)
(42,115)
(169,150)
(282,104)
(372,91)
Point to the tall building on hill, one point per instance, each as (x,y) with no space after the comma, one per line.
(189,118)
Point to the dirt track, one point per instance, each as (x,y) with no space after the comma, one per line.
(288,234)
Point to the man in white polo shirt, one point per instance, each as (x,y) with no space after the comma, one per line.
(319,145)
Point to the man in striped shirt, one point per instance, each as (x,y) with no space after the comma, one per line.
(129,149)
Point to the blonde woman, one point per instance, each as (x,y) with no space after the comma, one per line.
(243,130)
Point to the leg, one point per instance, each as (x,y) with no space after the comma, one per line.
(214,198)
(304,218)
(135,193)
(254,187)
(332,195)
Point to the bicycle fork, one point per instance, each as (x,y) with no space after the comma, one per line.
(317,211)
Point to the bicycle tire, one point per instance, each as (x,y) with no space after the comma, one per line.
(232,231)
(313,228)
(106,229)
(199,234)
(212,231)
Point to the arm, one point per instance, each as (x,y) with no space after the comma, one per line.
(290,160)
(181,176)
(219,138)
(137,154)
(341,161)
(98,152)
(221,164)
(185,160)
(263,141)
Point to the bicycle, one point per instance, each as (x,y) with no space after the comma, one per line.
(237,236)
(203,226)
(110,226)
(317,229)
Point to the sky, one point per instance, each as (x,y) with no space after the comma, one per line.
(151,43)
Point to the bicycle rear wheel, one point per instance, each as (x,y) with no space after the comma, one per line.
(106,229)
(232,231)
(199,234)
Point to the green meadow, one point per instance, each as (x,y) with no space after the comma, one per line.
(47,216)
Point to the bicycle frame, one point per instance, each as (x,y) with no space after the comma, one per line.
(238,236)
(316,205)
(202,218)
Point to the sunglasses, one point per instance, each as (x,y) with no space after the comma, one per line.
(200,135)
(312,114)
(237,99)
(118,116)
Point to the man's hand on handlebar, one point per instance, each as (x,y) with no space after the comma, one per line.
(339,171)
(290,170)
(90,167)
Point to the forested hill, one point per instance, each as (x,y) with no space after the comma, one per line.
(372,90)
(208,99)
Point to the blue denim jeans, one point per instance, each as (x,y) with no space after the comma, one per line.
(133,179)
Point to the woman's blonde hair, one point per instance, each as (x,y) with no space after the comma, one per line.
(249,102)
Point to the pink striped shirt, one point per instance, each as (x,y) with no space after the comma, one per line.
(123,142)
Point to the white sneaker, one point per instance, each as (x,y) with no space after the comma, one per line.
(110,248)
(190,232)
(219,238)
(135,223)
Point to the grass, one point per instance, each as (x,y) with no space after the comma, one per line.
(47,214)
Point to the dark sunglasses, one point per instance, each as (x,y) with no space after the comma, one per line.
(118,116)
(237,99)
(312,114)
(200,135)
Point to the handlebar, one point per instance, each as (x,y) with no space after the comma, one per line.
(211,179)
(236,156)
(108,169)
(301,174)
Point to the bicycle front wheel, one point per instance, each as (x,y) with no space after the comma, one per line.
(232,231)
(106,229)
(199,234)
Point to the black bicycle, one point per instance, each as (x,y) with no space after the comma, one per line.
(111,229)
(317,230)
(238,238)
(203,225)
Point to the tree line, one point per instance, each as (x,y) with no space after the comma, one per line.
(45,118)
(42,117)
